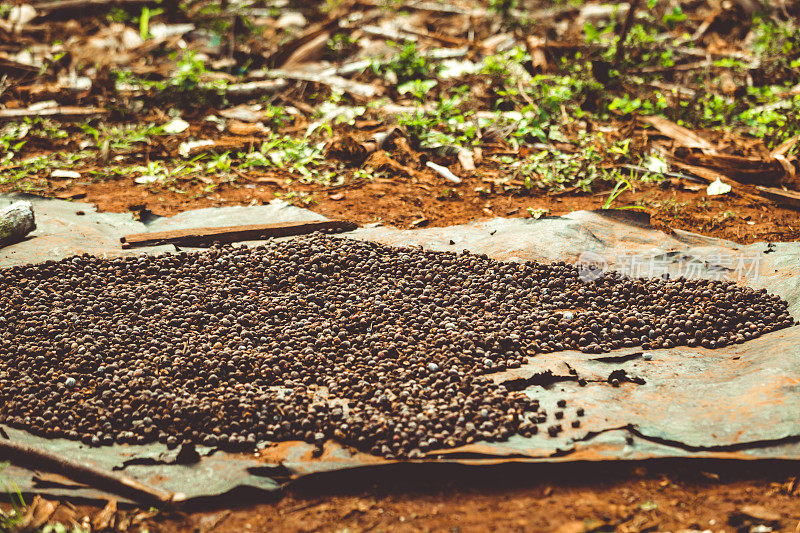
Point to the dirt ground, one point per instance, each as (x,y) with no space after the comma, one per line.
(572,499)
(657,496)
(407,203)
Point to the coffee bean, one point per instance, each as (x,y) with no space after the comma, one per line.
(234,346)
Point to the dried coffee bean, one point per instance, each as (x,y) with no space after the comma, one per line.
(233,345)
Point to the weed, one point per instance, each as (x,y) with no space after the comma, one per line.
(503,7)
(277,116)
(777,121)
(121,136)
(144,21)
(9,520)
(219,163)
(19,173)
(302,198)
(675,16)
(778,43)
(555,170)
(446,125)
(184,87)
(11,140)
(282,151)
(118,14)
(620,187)
(44,127)
(417,88)
(361,174)
(538,212)
(160,173)
(340,45)
(408,64)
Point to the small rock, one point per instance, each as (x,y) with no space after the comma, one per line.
(647,356)
(433,367)
(70,382)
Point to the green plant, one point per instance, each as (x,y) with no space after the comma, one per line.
(675,16)
(159,173)
(627,105)
(340,45)
(185,86)
(599,34)
(730,62)
(10,141)
(44,127)
(118,14)
(417,88)
(445,125)
(219,163)
(144,21)
(20,172)
(555,170)
(503,7)
(9,520)
(776,39)
(537,213)
(282,151)
(776,122)
(408,64)
(620,187)
(277,116)
(303,198)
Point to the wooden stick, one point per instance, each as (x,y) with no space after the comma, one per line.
(55,111)
(86,7)
(27,456)
(789,199)
(204,237)
(624,33)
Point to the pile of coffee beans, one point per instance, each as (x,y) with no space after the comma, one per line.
(387,350)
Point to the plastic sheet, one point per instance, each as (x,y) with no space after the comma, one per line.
(738,402)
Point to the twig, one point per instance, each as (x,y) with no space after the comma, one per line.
(789,199)
(678,175)
(87,7)
(624,33)
(201,237)
(349,86)
(55,111)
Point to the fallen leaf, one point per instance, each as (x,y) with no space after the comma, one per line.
(466,159)
(244,128)
(185,149)
(717,187)
(175,126)
(102,520)
(243,113)
(61,173)
(444,172)
(754,514)
(684,136)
